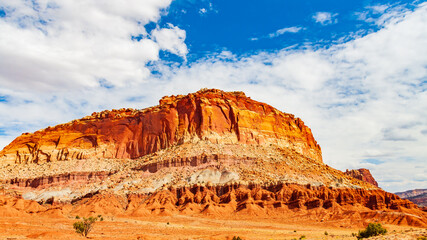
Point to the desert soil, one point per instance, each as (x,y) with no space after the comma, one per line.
(188,227)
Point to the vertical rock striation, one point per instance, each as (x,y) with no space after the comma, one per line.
(209,114)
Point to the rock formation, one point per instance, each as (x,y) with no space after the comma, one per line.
(417,196)
(362,174)
(209,153)
(214,115)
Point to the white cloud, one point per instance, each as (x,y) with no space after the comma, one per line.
(379,8)
(279,32)
(76,43)
(171,39)
(381,14)
(325,18)
(208,9)
(202,11)
(285,30)
(364,99)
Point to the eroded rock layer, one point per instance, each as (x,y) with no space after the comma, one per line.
(319,204)
(214,115)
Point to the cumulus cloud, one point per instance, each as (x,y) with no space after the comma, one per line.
(325,18)
(171,39)
(77,43)
(363,99)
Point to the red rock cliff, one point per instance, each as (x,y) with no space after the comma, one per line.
(362,174)
(214,115)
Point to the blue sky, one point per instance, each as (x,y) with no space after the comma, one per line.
(248,27)
(354,71)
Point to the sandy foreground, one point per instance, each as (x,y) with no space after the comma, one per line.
(189,227)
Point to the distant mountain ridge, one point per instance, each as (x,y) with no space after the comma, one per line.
(417,196)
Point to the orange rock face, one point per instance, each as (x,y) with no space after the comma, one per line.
(362,174)
(225,155)
(214,115)
(348,206)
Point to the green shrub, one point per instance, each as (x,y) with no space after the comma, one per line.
(373,229)
(84,227)
(77,217)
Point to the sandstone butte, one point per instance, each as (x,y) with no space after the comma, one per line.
(209,153)
(213,115)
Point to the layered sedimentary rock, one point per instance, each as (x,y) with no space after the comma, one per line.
(211,152)
(214,115)
(352,207)
(46,181)
(362,174)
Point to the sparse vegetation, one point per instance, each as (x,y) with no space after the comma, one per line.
(422,238)
(302,237)
(84,227)
(77,217)
(237,238)
(326,233)
(373,229)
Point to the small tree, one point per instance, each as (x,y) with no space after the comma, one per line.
(373,229)
(84,227)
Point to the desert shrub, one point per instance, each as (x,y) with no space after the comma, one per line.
(326,233)
(302,237)
(422,238)
(77,217)
(373,229)
(237,238)
(84,227)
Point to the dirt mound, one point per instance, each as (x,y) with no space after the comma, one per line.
(100,204)
(13,207)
